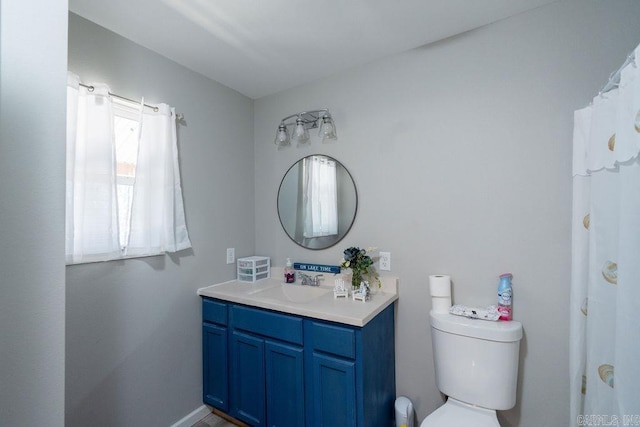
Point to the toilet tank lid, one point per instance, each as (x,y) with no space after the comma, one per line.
(504,331)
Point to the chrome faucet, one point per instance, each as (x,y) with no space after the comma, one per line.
(309,280)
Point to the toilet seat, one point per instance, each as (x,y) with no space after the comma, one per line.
(459,414)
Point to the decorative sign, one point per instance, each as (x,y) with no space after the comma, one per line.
(316,268)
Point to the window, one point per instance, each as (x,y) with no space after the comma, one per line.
(124,197)
(320,197)
(126,129)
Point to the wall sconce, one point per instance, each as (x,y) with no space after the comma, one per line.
(301,123)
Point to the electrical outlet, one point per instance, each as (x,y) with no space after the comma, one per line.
(385,261)
(231,255)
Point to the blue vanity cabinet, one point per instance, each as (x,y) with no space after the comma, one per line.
(215,368)
(267,368)
(350,372)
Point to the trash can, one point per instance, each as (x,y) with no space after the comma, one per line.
(404,412)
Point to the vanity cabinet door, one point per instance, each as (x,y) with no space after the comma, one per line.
(247,378)
(215,368)
(350,372)
(334,391)
(284,384)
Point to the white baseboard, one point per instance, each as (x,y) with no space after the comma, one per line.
(193,417)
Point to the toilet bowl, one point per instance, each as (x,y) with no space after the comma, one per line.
(459,414)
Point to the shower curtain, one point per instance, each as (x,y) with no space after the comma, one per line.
(605,289)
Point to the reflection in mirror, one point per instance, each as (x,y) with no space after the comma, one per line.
(317,202)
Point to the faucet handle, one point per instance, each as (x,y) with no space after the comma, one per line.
(304,278)
(308,279)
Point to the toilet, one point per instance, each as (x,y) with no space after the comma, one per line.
(476,366)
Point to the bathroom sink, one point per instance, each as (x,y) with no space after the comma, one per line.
(293,293)
(244,288)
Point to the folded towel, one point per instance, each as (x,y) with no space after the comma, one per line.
(486,313)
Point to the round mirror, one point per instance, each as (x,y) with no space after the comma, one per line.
(317,202)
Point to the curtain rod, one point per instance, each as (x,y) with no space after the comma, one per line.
(91,89)
(614,78)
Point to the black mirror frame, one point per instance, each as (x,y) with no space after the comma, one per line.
(355,212)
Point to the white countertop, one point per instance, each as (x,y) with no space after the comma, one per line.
(268,293)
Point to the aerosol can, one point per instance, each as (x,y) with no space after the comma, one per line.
(505,297)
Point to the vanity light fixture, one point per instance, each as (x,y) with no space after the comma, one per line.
(301,123)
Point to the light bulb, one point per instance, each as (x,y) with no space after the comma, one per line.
(300,134)
(328,130)
(282,137)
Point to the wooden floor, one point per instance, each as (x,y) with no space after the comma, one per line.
(213,421)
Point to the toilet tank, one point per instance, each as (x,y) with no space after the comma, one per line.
(476,361)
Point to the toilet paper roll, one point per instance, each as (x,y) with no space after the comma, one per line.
(440,289)
(440,286)
(440,304)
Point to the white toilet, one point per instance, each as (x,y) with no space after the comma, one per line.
(476,366)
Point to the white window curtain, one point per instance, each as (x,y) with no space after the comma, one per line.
(320,197)
(605,291)
(157,213)
(157,218)
(92,212)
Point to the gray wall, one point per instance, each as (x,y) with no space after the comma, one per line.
(461,152)
(32,141)
(133,352)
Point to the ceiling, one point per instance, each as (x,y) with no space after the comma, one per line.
(260,47)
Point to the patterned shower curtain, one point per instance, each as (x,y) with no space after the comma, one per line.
(605,286)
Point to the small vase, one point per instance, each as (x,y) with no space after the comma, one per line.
(356,280)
